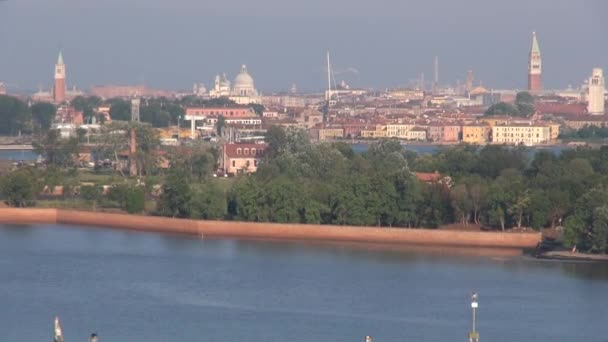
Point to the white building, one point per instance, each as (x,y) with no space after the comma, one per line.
(595,96)
(242,92)
(521,133)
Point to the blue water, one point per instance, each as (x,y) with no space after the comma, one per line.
(16,155)
(129,286)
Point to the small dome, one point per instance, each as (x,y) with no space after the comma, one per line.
(243,80)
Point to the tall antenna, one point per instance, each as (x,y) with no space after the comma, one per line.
(422,81)
(328,79)
(328,95)
(436,71)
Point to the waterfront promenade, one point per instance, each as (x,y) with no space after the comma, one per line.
(259,230)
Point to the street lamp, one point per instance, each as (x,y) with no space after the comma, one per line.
(474,335)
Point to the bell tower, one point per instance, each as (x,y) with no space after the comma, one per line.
(59,88)
(534,66)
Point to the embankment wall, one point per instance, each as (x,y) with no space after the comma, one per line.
(253,230)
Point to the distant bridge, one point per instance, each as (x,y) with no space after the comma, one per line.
(15,147)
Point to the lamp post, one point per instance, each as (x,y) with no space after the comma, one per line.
(179,131)
(474,335)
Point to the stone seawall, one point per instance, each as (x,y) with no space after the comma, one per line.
(252,230)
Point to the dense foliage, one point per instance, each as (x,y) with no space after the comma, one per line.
(494,186)
(524,106)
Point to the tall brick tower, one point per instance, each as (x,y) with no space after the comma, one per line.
(534,66)
(59,87)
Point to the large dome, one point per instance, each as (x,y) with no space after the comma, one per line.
(243,80)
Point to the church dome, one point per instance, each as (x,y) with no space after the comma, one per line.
(243,80)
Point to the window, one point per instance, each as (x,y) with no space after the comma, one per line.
(239,151)
(253,151)
(246,151)
(233,163)
(255,162)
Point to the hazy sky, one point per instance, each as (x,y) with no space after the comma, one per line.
(174,43)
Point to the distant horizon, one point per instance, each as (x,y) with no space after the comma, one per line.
(383,45)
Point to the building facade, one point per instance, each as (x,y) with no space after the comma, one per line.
(475,134)
(526,134)
(241,158)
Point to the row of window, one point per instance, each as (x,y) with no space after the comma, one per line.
(255,163)
(518,135)
(230,113)
(247,150)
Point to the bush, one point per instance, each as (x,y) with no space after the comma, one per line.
(135,200)
(19,189)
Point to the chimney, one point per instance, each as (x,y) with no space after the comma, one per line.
(132,152)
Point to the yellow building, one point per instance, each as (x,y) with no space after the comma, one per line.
(417,133)
(554,130)
(330,133)
(475,133)
(398,130)
(526,134)
(379,132)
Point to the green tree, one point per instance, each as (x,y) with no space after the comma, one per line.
(461,202)
(15,118)
(120,109)
(43,114)
(135,200)
(524,103)
(208,202)
(87,105)
(175,198)
(57,151)
(502,108)
(257,108)
(219,126)
(19,188)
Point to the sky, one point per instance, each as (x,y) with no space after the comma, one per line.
(171,44)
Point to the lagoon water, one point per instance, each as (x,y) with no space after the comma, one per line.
(130,286)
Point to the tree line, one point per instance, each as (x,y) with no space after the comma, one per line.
(498,187)
(18,117)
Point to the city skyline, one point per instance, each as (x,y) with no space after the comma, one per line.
(126,53)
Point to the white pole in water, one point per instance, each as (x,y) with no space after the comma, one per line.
(474,335)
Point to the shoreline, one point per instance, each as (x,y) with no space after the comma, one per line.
(274,231)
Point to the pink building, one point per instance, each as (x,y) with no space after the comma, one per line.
(451,133)
(241,158)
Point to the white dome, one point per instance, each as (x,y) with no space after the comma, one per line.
(243,80)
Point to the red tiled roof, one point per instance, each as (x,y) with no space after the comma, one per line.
(428,177)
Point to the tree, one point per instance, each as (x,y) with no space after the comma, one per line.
(120,109)
(57,151)
(87,105)
(91,193)
(219,126)
(15,117)
(477,189)
(276,138)
(19,188)
(175,198)
(525,104)
(208,202)
(502,108)
(43,114)
(461,202)
(135,200)
(257,108)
